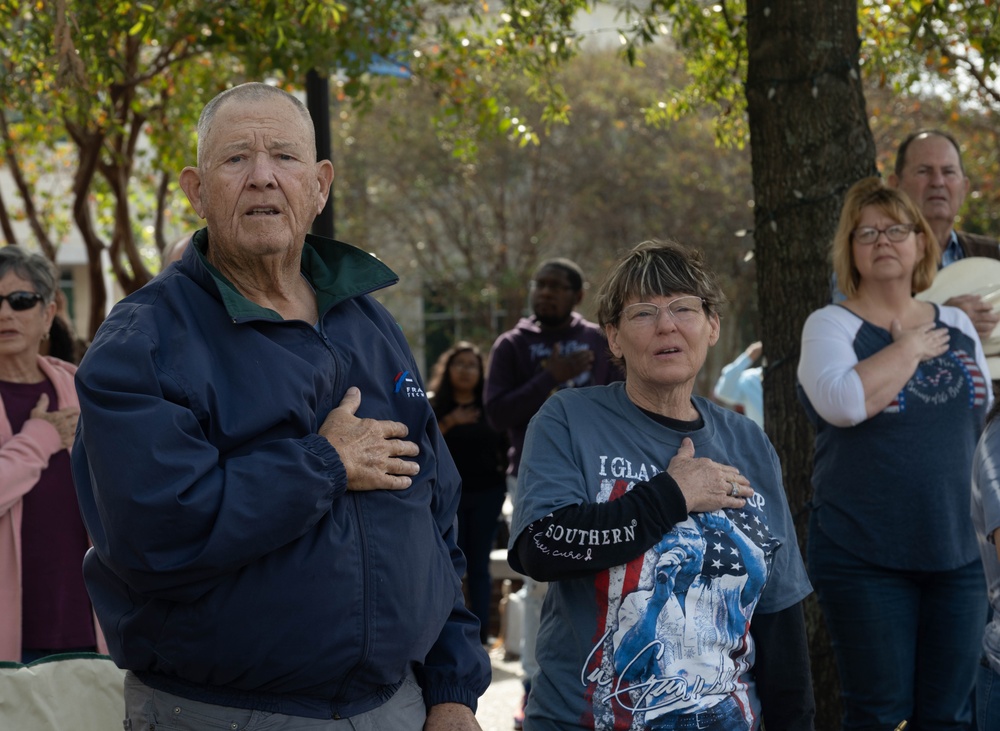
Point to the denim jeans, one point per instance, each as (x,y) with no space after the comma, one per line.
(907,643)
(987,699)
(478,513)
(147,709)
(724,716)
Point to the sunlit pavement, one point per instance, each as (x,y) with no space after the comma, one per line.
(498,704)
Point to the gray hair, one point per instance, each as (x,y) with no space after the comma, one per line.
(253,91)
(655,269)
(35,268)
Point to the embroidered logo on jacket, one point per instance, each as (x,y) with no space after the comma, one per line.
(407,386)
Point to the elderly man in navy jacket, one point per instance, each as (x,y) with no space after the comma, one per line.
(270,501)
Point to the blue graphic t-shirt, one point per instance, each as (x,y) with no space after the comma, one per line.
(901,478)
(667,633)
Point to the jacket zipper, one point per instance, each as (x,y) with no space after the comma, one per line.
(365,599)
(363,551)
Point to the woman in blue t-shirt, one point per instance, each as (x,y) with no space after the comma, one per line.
(660,520)
(897,389)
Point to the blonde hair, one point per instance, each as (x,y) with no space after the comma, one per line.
(894,203)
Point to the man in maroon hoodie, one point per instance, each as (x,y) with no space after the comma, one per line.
(553,349)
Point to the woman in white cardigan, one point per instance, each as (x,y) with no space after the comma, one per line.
(44,607)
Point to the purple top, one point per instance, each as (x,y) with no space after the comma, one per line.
(56,611)
(517,383)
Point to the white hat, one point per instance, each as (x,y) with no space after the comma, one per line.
(972,275)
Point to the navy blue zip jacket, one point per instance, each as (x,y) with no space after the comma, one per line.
(230,563)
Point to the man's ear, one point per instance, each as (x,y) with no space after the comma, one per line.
(324,176)
(190,182)
(579,297)
(893,180)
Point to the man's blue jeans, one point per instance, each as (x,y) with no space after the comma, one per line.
(907,643)
(988,699)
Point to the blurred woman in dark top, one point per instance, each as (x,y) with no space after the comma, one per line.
(479,452)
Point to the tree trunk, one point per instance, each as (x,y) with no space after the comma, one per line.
(89,146)
(810,141)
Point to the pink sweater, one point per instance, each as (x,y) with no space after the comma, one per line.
(23,456)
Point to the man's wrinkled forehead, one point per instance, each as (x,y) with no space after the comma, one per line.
(931,149)
(253,138)
(276,122)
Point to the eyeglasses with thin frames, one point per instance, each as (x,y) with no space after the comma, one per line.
(896,233)
(20,301)
(686,310)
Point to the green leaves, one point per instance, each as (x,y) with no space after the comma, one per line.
(114,76)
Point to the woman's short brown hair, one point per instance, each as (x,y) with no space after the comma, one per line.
(655,269)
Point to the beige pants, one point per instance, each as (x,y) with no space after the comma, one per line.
(147,709)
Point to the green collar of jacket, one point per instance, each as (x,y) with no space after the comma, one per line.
(336,271)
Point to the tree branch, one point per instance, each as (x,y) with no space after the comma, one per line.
(5,223)
(24,188)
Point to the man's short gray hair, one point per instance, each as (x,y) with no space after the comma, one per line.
(253,91)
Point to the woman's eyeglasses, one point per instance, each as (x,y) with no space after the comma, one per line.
(20,301)
(896,233)
(684,311)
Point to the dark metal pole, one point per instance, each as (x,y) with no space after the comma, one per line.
(318,102)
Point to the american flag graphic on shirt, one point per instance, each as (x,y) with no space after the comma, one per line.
(956,374)
(673,625)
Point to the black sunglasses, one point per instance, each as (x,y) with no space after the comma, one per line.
(20,301)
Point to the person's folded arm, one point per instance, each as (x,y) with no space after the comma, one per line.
(781,669)
(727,387)
(509,402)
(22,459)
(846,391)
(579,540)
(884,374)
(167,512)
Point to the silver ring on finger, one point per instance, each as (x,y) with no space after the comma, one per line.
(735,492)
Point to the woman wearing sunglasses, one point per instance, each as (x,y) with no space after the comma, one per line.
(897,389)
(44,607)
